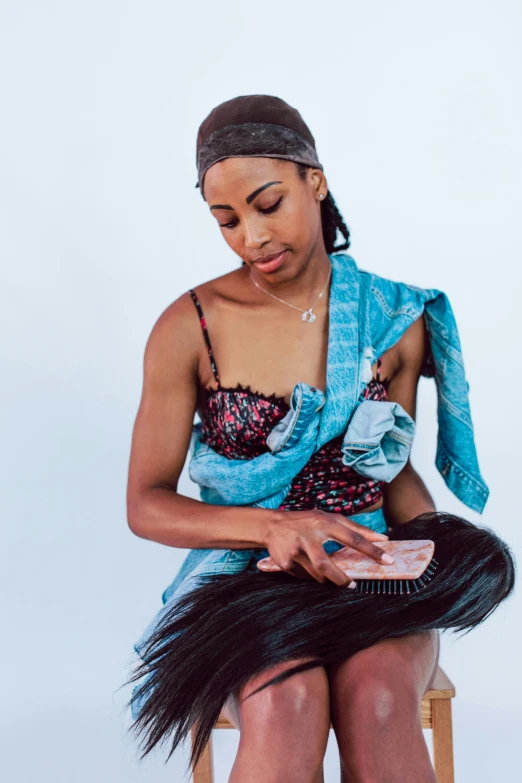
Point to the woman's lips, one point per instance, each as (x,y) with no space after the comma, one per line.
(270,266)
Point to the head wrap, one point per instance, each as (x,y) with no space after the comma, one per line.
(254,126)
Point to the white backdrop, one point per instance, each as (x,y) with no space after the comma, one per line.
(416,111)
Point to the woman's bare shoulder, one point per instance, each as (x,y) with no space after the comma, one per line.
(174,339)
(176,333)
(230,287)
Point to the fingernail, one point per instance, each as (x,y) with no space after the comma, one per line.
(383,536)
(387,558)
(352,585)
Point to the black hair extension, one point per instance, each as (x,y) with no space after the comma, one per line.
(230,628)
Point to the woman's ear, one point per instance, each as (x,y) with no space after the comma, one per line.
(319,183)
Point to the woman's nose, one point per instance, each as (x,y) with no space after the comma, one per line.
(255,235)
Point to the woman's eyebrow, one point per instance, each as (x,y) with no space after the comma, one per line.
(249,198)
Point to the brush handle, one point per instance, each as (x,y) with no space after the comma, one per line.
(411,558)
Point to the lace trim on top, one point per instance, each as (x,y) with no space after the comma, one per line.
(274,398)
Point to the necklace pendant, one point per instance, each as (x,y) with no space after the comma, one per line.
(308,316)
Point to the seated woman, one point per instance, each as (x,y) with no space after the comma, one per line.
(304,373)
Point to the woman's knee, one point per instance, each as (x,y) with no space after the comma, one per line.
(301,697)
(380,700)
(407,663)
(381,685)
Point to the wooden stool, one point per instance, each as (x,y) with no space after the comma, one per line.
(436,715)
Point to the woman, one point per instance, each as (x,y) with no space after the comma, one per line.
(233,350)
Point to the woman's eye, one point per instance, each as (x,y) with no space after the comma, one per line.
(266,211)
(273,207)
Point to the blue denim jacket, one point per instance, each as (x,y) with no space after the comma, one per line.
(367,315)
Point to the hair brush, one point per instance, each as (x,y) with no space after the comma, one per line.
(412,569)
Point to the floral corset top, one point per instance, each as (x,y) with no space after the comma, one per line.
(237,421)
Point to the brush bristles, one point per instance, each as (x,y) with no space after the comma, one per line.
(397,586)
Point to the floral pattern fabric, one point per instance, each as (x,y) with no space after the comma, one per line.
(237,421)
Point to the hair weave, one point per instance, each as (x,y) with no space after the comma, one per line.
(230,627)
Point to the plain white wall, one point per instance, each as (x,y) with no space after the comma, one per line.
(416,111)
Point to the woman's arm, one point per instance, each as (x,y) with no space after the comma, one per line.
(407,496)
(160,443)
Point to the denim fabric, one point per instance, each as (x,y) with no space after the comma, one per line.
(268,477)
(367,315)
(378,439)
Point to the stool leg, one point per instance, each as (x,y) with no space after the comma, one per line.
(203,772)
(442,740)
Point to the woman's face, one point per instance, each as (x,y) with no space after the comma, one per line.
(263,207)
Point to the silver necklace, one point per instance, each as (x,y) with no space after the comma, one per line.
(308,316)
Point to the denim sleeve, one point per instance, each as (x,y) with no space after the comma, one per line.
(389,308)
(266,477)
(378,439)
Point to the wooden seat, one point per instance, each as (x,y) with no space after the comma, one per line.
(435,713)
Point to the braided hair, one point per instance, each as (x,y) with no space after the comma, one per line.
(331,219)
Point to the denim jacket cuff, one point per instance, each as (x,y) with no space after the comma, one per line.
(378,439)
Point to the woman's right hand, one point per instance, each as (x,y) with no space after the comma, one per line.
(295,542)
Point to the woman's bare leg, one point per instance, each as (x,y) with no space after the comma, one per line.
(375,698)
(283,728)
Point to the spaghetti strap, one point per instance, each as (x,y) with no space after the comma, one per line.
(205,335)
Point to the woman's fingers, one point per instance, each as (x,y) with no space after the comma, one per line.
(293,568)
(268,564)
(314,563)
(322,568)
(309,557)
(353,536)
(351,522)
(340,533)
